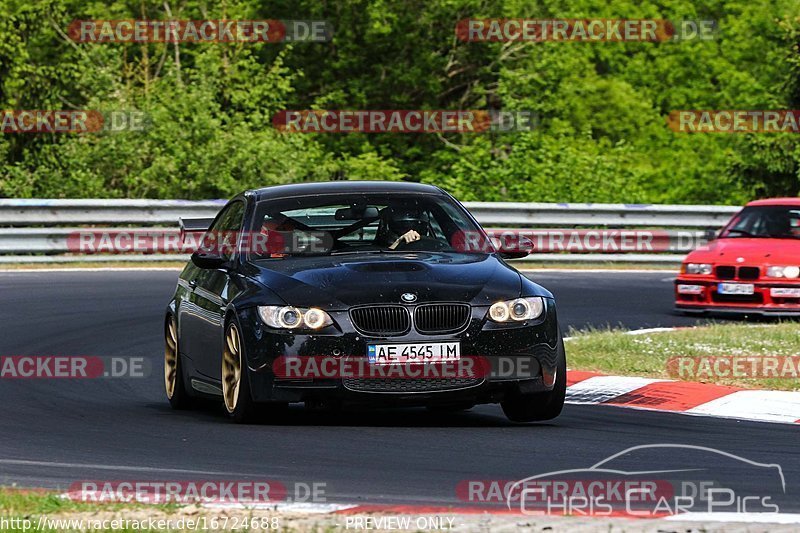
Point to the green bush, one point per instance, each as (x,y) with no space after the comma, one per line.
(601,136)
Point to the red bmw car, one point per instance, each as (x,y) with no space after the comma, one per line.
(752,267)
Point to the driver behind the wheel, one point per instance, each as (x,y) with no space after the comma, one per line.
(402,225)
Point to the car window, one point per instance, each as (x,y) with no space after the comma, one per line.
(223,235)
(376,222)
(782,222)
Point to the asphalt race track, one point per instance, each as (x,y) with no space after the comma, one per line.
(55,432)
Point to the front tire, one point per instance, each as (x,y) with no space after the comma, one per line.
(236,395)
(540,405)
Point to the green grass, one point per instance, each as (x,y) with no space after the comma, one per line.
(31,504)
(617,353)
(21,501)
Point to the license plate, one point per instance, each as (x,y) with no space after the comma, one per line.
(785,293)
(736,288)
(428,352)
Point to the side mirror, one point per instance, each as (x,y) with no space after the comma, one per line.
(522,248)
(208,260)
(514,255)
(710,234)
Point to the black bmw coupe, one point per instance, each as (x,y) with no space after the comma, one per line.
(373,293)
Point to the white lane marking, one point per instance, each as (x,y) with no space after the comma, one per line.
(752,518)
(644,331)
(292,507)
(649,330)
(89,269)
(92,466)
(763,405)
(578,270)
(599,389)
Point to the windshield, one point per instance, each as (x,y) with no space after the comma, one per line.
(779,222)
(365,223)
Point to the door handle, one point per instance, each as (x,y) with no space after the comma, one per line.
(192,284)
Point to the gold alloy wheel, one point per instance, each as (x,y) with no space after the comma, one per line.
(231,368)
(170,357)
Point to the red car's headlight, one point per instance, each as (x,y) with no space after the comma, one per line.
(696,268)
(790,272)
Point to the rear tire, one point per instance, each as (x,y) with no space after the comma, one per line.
(174,380)
(540,405)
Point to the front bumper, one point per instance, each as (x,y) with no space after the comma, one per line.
(764,301)
(522,358)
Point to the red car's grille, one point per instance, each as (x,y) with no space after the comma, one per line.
(742,273)
(748,273)
(726,272)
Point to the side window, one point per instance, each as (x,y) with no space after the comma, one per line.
(223,235)
(438,233)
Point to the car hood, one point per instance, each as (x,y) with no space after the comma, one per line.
(751,251)
(339,282)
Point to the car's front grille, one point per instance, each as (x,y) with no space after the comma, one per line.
(742,273)
(748,273)
(726,272)
(441,318)
(400,385)
(381,320)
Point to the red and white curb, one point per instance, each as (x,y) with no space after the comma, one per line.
(689,398)
(444,510)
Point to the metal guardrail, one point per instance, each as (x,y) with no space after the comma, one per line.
(34,212)
(491,214)
(45,230)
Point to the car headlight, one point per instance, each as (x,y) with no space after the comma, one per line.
(517,310)
(288,317)
(790,272)
(697,268)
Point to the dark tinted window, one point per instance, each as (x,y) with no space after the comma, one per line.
(782,222)
(224,232)
(353,223)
